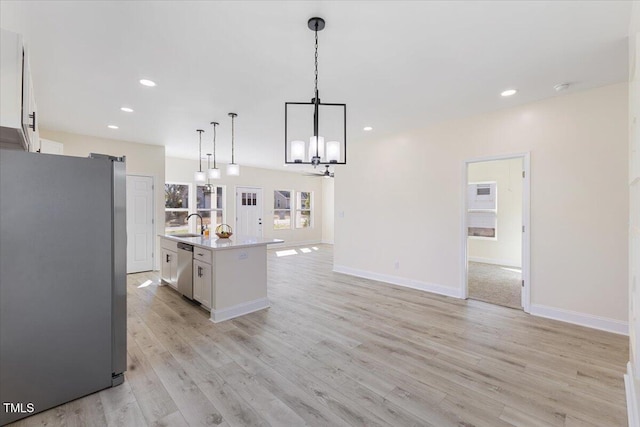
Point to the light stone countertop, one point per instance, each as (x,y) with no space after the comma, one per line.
(214,243)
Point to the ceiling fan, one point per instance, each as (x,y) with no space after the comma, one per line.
(325,174)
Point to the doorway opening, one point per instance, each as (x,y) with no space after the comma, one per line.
(496,230)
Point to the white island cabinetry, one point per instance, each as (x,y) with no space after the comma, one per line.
(169,263)
(229,275)
(202,283)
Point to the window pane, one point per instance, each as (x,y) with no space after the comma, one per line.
(304,200)
(281,219)
(482,232)
(303,219)
(203,199)
(176,196)
(176,222)
(206,217)
(282,199)
(218,198)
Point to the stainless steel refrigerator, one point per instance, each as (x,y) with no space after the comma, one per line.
(62,279)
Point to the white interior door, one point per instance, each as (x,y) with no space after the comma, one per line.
(139,223)
(249,211)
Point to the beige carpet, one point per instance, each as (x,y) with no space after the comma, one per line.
(495,284)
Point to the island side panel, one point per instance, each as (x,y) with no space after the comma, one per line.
(240,284)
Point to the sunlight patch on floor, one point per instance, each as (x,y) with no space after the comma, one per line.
(286,252)
(145,284)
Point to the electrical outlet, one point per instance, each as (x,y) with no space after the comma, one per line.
(243,255)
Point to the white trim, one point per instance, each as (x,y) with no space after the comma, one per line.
(582,319)
(504,262)
(399,281)
(239,310)
(326,242)
(526,222)
(633,404)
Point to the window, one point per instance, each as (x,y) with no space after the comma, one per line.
(281,210)
(176,208)
(209,204)
(482,205)
(303,209)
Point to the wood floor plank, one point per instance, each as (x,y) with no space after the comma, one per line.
(121,407)
(336,350)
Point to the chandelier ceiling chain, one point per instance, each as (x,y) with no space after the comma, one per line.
(316,58)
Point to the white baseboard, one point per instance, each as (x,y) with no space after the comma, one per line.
(633,402)
(400,281)
(582,319)
(239,310)
(326,242)
(504,262)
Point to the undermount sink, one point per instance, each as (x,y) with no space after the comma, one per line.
(185,235)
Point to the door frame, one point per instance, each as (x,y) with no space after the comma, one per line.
(237,199)
(153,218)
(526,223)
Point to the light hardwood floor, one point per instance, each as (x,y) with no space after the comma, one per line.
(334,350)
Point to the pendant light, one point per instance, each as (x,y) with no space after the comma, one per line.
(214,172)
(232,168)
(296,120)
(208,189)
(200,176)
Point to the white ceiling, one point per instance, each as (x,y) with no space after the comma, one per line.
(397,65)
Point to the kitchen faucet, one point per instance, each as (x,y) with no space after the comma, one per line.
(201,224)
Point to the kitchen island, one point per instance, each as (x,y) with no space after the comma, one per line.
(229,276)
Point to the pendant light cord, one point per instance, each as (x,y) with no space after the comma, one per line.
(214,145)
(233,138)
(200,149)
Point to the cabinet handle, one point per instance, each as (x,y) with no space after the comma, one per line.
(33,125)
(167,257)
(199,271)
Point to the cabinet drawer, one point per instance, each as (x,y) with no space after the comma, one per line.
(171,245)
(203,255)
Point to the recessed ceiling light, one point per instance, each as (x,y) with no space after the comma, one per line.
(127,109)
(367,128)
(561,86)
(112,127)
(146,82)
(508,92)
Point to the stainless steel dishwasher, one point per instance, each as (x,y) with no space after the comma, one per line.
(185,269)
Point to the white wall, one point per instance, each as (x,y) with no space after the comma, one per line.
(142,159)
(506,249)
(328,207)
(181,170)
(410,211)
